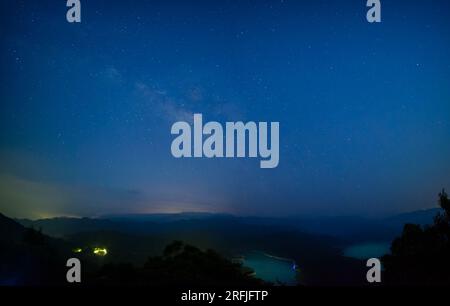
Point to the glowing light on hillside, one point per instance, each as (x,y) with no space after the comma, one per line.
(100,251)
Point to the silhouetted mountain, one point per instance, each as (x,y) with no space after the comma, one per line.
(352,229)
(316,244)
(135,238)
(162,218)
(28,257)
(59,227)
(348,229)
(179,264)
(422,217)
(10,230)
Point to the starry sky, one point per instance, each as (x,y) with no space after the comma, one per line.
(86,109)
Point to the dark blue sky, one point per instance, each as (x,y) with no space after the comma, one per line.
(86,109)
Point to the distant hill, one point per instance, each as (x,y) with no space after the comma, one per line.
(346,229)
(353,229)
(62,226)
(28,257)
(134,238)
(10,230)
(162,218)
(316,244)
(422,217)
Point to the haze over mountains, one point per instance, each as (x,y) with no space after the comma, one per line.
(346,228)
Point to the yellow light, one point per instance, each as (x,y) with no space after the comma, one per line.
(77,250)
(100,251)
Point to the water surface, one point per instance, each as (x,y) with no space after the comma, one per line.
(367,250)
(271,268)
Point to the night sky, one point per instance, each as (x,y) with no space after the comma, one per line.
(86,109)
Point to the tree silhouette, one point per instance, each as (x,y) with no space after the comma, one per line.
(33,237)
(444,202)
(180,264)
(421,254)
